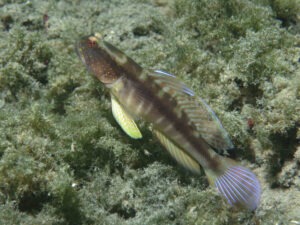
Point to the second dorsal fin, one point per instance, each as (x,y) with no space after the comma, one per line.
(198,113)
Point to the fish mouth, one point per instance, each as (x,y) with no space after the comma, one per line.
(84,43)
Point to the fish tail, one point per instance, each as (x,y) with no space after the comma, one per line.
(237,184)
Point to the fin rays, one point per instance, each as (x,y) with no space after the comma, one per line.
(125,120)
(165,79)
(181,157)
(239,186)
(246,181)
(237,190)
(196,110)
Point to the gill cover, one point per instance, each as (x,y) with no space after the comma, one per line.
(93,53)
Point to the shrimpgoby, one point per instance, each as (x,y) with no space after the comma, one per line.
(184,124)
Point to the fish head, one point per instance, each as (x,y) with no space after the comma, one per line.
(94,54)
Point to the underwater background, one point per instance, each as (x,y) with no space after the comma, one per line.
(63,158)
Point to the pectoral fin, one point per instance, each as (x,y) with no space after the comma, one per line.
(125,120)
(181,157)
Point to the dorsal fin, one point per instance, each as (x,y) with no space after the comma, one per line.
(168,80)
(206,122)
(197,112)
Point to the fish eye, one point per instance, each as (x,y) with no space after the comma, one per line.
(92,42)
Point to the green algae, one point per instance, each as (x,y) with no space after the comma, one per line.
(64,160)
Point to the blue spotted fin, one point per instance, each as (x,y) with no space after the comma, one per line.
(180,155)
(198,113)
(125,120)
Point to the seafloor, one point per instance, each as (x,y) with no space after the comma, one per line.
(63,158)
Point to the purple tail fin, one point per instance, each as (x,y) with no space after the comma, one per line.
(240,187)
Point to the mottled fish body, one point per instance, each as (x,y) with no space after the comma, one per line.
(185,125)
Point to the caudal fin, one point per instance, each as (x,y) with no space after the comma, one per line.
(239,186)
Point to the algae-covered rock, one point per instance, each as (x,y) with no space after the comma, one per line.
(63,158)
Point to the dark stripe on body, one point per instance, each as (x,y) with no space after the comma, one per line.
(145,85)
(164,107)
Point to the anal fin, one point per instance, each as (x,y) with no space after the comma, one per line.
(181,157)
(125,120)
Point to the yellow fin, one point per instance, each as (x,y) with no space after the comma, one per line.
(181,157)
(125,120)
